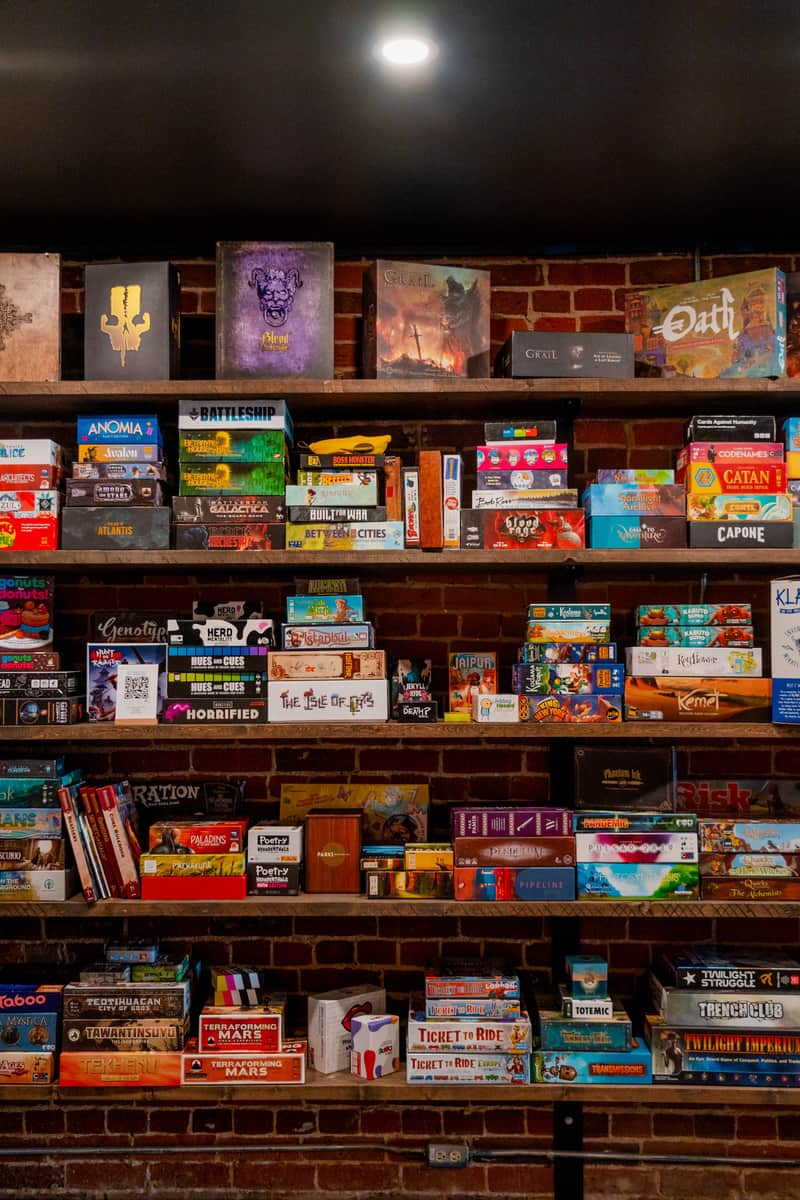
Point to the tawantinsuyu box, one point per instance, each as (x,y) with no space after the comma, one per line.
(30,317)
(232,479)
(572,709)
(328,637)
(118,452)
(513,456)
(462,1067)
(566,356)
(240,1029)
(593,1066)
(637,533)
(478,822)
(214,711)
(680,660)
(385,535)
(626,499)
(243,1066)
(523,529)
(115,528)
(638,881)
(694,614)
(696,698)
(695,637)
(544,679)
(237,537)
(126,492)
(127,1000)
(108,1033)
(514,883)
(329,1018)
(719,479)
(740,507)
(509,1035)
(332,664)
(725,1010)
(274,310)
(232,445)
(132,328)
(509,481)
(785,649)
(328,700)
(268,843)
(711,329)
(423,320)
(636,847)
(26,1066)
(26,611)
(95,1068)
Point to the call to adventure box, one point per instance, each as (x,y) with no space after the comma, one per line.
(637,533)
(132,327)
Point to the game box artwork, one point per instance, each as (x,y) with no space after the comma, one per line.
(423,321)
(30,317)
(102,667)
(132,328)
(274,310)
(26,612)
(523,529)
(471,673)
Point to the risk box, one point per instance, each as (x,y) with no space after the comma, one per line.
(351,535)
(636,847)
(471,673)
(29,520)
(679,660)
(197,837)
(785,649)
(375,1045)
(228,510)
(108,1033)
(328,700)
(695,637)
(696,698)
(232,479)
(232,445)
(637,533)
(247,536)
(738,507)
(26,611)
(270,843)
(594,1066)
(273,879)
(115,528)
(97,1068)
(625,499)
(634,779)
(274,310)
(483,1067)
(328,637)
(514,852)
(544,679)
(712,328)
(327,664)
(566,356)
(243,1029)
(103,661)
(30,317)
(444,331)
(638,881)
(245,1066)
(514,883)
(569,708)
(508,1035)
(330,1017)
(521,456)
(523,529)
(694,614)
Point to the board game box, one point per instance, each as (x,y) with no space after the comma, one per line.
(558,1032)
(717,1009)
(23,477)
(354,535)
(498,883)
(567,652)
(751,889)
(209,710)
(328,700)
(35,683)
(509,1035)
(232,445)
(250,535)
(273,879)
(757,866)
(247,415)
(470,674)
(35,660)
(696,698)
(232,479)
(245,1066)
(142,453)
(251,659)
(30,711)
(724,452)
(324,610)
(729,1059)
(636,847)
(550,498)
(594,1066)
(568,678)
(31,822)
(694,614)
(729,969)
(328,637)
(529,354)
(723,479)
(391,812)
(721,836)
(132,326)
(680,660)
(228,510)
(109,1033)
(240,1029)
(695,636)
(570,708)
(517,822)
(217,631)
(561,632)
(525,456)
(26,611)
(331,664)
(638,881)
(432,1067)
(523,529)
(103,661)
(625,499)
(104,528)
(611,778)
(634,475)
(96,1068)
(26,1067)
(637,533)
(739,507)
(410,885)
(85,493)
(199,836)
(505,481)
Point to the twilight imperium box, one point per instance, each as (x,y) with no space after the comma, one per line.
(274,310)
(132,328)
(425,321)
(30,317)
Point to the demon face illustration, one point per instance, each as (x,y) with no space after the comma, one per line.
(276,289)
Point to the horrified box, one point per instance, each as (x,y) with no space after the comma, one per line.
(132,328)
(422,321)
(30,317)
(566,355)
(274,310)
(711,329)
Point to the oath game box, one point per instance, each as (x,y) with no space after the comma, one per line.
(132,327)
(30,317)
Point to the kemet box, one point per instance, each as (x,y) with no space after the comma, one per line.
(132,328)
(566,355)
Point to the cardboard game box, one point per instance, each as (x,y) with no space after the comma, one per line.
(26,611)
(391,812)
(471,674)
(566,356)
(696,698)
(523,529)
(132,328)
(30,317)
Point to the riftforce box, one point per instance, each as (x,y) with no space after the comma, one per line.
(470,674)
(108,1033)
(23,477)
(514,852)
(468,1068)
(594,1066)
(355,535)
(694,614)
(249,536)
(696,637)
(523,529)
(423,320)
(611,777)
(722,479)
(274,310)
(103,661)
(680,660)
(324,610)
(514,883)
(242,1066)
(637,533)
(132,328)
(333,851)
(143,453)
(638,881)
(329,637)
(556,653)
(636,847)
(568,708)
(273,879)
(127,1000)
(566,356)
(328,700)
(26,611)
(215,683)
(785,651)
(146,1068)
(516,822)
(332,664)
(410,885)
(232,445)
(30,317)
(58,684)
(543,679)
(197,837)
(112,528)
(127,493)
(756,866)
(232,479)
(569,1033)
(33,661)
(736,428)
(31,711)
(695,698)
(213,711)
(516,456)
(391,813)
(626,499)
(329,1019)
(243,1029)
(736,837)
(550,480)
(740,507)
(735,1011)
(711,329)
(509,1035)
(216,631)
(25,1067)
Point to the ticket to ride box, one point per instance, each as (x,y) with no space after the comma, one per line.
(30,297)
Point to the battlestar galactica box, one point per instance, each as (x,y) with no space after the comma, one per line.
(711,329)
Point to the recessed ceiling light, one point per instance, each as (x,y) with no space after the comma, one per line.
(407,51)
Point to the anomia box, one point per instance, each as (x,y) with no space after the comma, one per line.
(330,1017)
(375,1045)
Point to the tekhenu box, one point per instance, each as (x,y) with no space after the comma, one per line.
(30,317)
(566,356)
(132,328)
(274,310)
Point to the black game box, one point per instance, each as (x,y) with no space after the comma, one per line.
(115,529)
(247,535)
(132,328)
(773,534)
(227,510)
(88,493)
(528,355)
(639,780)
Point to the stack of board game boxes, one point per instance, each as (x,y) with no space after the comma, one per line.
(274,859)
(696,662)
(749,859)
(635,509)
(232,475)
(328,669)
(241,1035)
(647,855)
(590,1039)
(115,498)
(725,1016)
(341,501)
(33,690)
(522,500)
(126,1021)
(102,826)
(414,871)
(199,859)
(33,864)
(513,853)
(30,474)
(31,1029)
(474,1028)
(736,483)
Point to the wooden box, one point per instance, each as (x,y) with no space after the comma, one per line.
(333,851)
(132,328)
(30,317)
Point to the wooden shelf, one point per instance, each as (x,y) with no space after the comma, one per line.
(362,906)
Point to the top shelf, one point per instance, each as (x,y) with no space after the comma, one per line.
(431,398)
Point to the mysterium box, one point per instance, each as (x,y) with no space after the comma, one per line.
(30,317)
(274,310)
(132,328)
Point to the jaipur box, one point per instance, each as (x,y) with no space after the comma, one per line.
(30,317)
(696,698)
(423,320)
(132,328)
(470,673)
(566,356)
(713,328)
(274,310)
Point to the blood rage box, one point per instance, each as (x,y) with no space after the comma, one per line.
(367,535)
(638,881)
(593,1066)
(696,698)
(243,1029)
(344,664)
(231,445)
(148,1068)
(509,1035)
(636,847)
(513,456)
(514,883)
(431,1067)
(329,1019)
(25,1066)
(523,529)
(243,1066)
(679,660)
(694,614)
(197,837)
(328,700)
(514,852)
(637,533)
(574,709)
(625,499)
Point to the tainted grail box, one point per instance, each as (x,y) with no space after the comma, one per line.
(566,356)
(112,528)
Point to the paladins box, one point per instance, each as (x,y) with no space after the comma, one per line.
(30,317)
(566,355)
(711,329)
(132,328)
(425,321)
(275,310)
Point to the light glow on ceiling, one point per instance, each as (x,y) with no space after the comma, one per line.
(407,51)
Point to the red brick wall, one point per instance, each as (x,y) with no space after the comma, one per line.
(422,613)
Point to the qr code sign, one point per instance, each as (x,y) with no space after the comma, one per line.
(135,688)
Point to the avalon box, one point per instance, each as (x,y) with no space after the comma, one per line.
(115,528)
(132,328)
(30,317)
(566,356)
(274,310)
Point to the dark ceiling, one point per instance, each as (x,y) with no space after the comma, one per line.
(162,126)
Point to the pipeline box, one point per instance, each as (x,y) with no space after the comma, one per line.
(514,883)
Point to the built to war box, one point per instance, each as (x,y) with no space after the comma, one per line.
(566,355)
(331,664)
(637,533)
(328,700)
(695,636)
(132,328)
(695,698)
(30,301)
(104,528)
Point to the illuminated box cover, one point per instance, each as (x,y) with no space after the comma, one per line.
(483,1067)
(593,1066)
(94,1068)
(697,698)
(637,533)
(627,499)
(30,303)
(509,1035)
(245,1066)
(638,881)
(739,507)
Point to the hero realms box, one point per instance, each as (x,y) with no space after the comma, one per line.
(249,535)
(132,328)
(328,700)
(523,529)
(232,479)
(528,355)
(638,881)
(30,303)
(694,614)
(112,528)
(711,329)
(626,499)
(514,883)
(26,611)
(573,709)
(232,445)
(227,510)
(426,321)
(593,1066)
(274,310)
(697,698)
(637,533)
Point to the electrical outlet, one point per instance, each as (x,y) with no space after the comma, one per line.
(448,1154)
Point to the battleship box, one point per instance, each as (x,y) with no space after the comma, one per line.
(132,327)
(697,698)
(113,528)
(528,355)
(30,317)
(426,321)
(711,329)
(274,310)
(249,416)
(637,533)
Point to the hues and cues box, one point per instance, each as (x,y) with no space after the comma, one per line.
(566,355)
(274,310)
(30,304)
(132,328)
(330,1018)
(785,650)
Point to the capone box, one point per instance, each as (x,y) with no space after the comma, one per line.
(227,510)
(232,479)
(694,614)
(132,328)
(568,708)
(270,843)
(245,1066)
(684,660)
(324,610)
(99,1068)
(274,310)
(739,507)
(627,499)
(637,533)
(112,528)
(523,529)
(594,1066)
(328,700)
(246,536)
(566,356)
(26,1066)
(638,881)
(544,679)
(697,698)
(87,493)
(509,1035)
(711,329)
(329,1018)
(30,286)
(327,664)
(513,456)
(461,1067)
(120,430)
(785,649)
(514,883)
(232,445)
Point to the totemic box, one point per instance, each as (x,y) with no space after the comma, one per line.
(30,294)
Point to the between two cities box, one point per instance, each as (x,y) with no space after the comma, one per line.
(711,329)
(30,317)
(132,327)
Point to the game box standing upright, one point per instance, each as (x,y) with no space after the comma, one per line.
(274,310)
(30,317)
(132,328)
(711,329)
(425,321)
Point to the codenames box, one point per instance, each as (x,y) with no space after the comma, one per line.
(30,317)
(132,328)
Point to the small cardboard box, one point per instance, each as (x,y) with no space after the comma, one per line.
(330,1017)
(375,1045)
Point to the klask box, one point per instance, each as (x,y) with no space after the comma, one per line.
(245,1066)
(637,533)
(96,1068)
(739,507)
(232,445)
(30,302)
(113,528)
(26,1066)
(119,430)
(328,700)
(514,852)
(331,664)
(270,843)
(694,614)
(697,698)
(573,709)
(523,529)
(636,847)
(680,660)
(239,1029)
(274,310)
(711,329)
(232,479)
(725,1010)
(558,1032)
(246,536)
(132,327)
(638,881)
(324,610)
(352,535)
(521,456)
(375,1045)
(108,1033)
(545,679)
(463,1067)
(725,479)
(390,812)
(249,416)
(509,1035)
(330,1016)
(696,637)
(494,883)
(613,778)
(594,1066)
(424,320)
(626,499)
(197,836)
(566,356)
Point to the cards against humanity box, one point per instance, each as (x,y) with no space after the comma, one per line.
(274,310)
(785,650)
(566,355)
(30,317)
(132,328)
(330,1016)
(115,528)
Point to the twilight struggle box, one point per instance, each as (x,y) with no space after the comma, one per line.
(697,698)
(637,533)
(523,529)
(103,661)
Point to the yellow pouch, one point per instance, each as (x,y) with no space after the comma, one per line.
(352,445)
